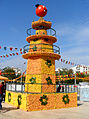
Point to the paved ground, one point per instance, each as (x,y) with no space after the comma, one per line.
(80,112)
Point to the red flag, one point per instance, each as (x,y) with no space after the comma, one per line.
(21,52)
(0,72)
(10,54)
(17,53)
(11,49)
(3,56)
(20,49)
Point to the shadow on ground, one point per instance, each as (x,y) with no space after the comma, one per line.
(4,109)
(79,104)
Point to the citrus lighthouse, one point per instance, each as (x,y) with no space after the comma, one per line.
(40,83)
(41,57)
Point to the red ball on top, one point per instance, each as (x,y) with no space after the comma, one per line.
(41,10)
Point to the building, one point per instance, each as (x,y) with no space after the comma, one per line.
(80,69)
(17,70)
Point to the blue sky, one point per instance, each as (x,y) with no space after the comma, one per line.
(70,19)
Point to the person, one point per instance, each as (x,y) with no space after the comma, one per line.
(59,88)
(62,88)
(1,93)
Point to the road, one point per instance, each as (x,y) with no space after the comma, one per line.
(80,112)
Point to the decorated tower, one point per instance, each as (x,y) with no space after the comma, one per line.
(40,74)
(40,83)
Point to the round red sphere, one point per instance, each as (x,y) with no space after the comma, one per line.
(41,11)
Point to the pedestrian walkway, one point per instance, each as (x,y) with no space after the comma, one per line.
(80,112)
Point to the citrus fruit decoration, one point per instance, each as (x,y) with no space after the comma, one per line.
(41,10)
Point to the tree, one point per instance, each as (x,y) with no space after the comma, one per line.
(70,73)
(9,73)
(64,71)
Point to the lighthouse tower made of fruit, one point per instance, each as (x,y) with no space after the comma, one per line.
(41,56)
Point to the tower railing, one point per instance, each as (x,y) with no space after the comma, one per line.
(42,47)
(50,31)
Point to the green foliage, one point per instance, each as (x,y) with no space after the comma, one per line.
(49,81)
(33,80)
(41,99)
(72,81)
(65,99)
(19,99)
(9,97)
(66,71)
(48,62)
(10,73)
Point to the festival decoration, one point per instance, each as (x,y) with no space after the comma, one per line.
(49,81)
(43,99)
(12,54)
(34,48)
(48,62)
(66,99)
(19,99)
(33,80)
(10,48)
(41,10)
(9,97)
(0,72)
(40,90)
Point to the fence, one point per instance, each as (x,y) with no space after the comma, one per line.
(20,87)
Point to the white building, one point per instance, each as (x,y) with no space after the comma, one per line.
(80,69)
(17,70)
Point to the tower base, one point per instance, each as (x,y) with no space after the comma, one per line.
(31,102)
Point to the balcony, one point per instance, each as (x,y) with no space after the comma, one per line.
(50,32)
(41,47)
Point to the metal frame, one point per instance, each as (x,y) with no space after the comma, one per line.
(67,88)
(51,29)
(56,49)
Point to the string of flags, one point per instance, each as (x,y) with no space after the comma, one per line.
(21,52)
(72,63)
(68,62)
(12,54)
(10,48)
(86,78)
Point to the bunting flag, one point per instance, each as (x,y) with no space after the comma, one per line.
(68,62)
(10,48)
(72,63)
(21,52)
(12,54)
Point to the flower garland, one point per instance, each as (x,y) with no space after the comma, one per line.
(33,80)
(66,99)
(48,62)
(19,99)
(49,81)
(43,100)
(9,97)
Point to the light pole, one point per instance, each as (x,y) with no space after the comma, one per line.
(75,78)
